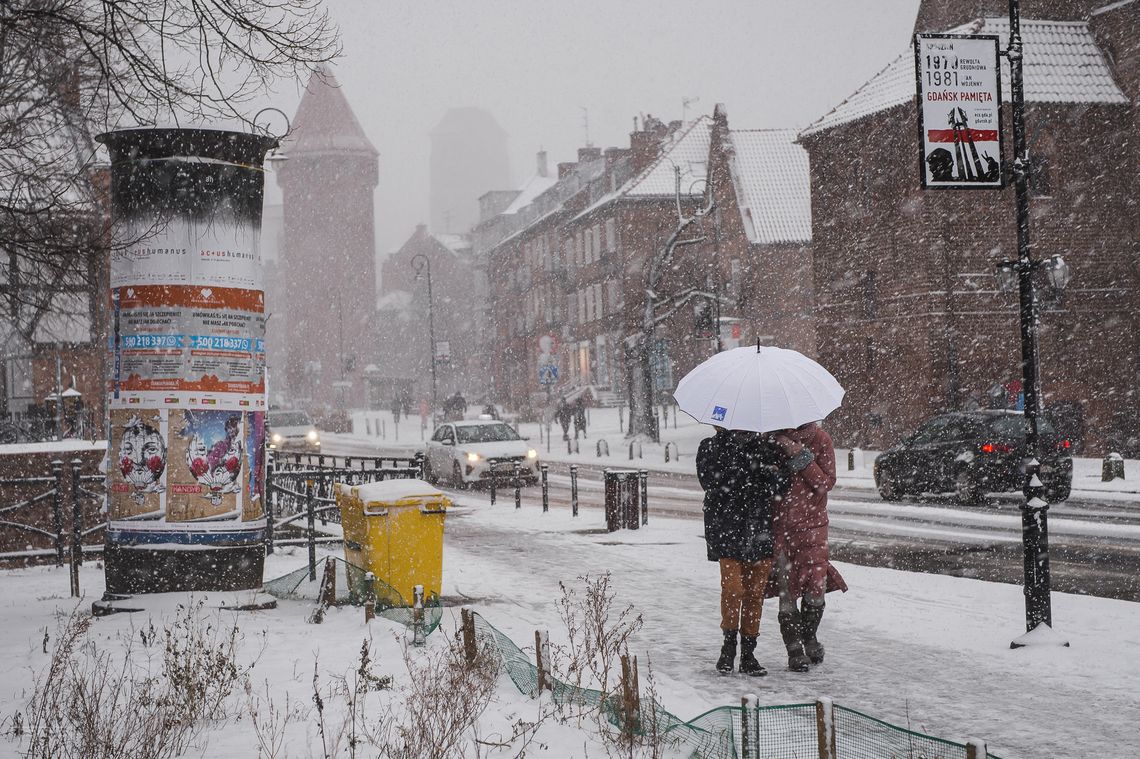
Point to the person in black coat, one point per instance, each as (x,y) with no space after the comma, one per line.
(742,474)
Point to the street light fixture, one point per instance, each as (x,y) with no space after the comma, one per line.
(422,266)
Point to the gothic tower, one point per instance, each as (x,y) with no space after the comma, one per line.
(328,258)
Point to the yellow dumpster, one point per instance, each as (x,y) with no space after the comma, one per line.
(394,529)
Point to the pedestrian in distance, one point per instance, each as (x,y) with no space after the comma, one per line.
(579,417)
(396,407)
(743,474)
(803,574)
(564,414)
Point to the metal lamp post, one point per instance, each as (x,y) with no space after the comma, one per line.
(1035,510)
(422,266)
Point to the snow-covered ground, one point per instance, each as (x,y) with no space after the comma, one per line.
(927,651)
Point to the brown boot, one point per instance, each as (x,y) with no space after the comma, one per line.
(793,641)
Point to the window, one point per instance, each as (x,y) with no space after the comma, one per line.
(611,235)
(581,307)
(571,308)
(578,257)
(590,315)
(597,234)
(615,295)
(599,310)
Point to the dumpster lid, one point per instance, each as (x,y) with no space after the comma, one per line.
(391,490)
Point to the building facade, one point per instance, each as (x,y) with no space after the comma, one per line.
(910,318)
(568,268)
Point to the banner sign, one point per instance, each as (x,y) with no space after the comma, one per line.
(959,111)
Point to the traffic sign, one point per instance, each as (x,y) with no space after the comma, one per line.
(547,374)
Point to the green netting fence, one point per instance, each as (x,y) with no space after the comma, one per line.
(352,587)
(787,731)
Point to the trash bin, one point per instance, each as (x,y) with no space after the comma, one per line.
(623,499)
(394,529)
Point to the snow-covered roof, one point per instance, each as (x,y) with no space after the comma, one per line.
(688,150)
(1062,65)
(325,122)
(534,187)
(773,185)
(454,243)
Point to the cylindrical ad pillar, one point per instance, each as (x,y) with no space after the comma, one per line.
(186,386)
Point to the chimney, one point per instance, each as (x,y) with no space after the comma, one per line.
(587,154)
(540,164)
(421,230)
(564,169)
(613,155)
(644,144)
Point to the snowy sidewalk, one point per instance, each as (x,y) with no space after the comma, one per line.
(927,651)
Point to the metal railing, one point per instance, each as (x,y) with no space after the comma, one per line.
(68,490)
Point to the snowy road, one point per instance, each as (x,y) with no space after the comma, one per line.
(1094,542)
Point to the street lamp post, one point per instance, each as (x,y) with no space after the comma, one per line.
(422,266)
(1035,510)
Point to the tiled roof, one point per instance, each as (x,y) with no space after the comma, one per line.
(773,185)
(325,122)
(1062,65)
(688,150)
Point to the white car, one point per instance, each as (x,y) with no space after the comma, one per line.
(293,430)
(463,452)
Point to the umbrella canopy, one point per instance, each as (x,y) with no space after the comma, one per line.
(758,389)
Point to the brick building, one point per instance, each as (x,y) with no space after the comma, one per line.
(909,316)
(568,266)
(324,315)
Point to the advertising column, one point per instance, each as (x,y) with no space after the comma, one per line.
(186,387)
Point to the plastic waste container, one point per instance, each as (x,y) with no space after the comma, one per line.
(394,529)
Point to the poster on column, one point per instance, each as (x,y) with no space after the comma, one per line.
(959,111)
(255,465)
(207,465)
(139,450)
(188,345)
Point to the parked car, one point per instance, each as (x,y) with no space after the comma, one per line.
(292,430)
(970,454)
(464,452)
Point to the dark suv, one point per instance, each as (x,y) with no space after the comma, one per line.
(972,453)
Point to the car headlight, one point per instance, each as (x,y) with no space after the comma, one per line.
(532,454)
(473,457)
(311,436)
(276,438)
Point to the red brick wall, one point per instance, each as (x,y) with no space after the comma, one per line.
(904,278)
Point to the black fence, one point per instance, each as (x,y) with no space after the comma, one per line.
(42,517)
(301,489)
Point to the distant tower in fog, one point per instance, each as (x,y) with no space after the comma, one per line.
(328,256)
(468,158)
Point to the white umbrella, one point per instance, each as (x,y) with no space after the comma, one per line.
(759,389)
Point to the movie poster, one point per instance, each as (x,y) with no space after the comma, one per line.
(139,450)
(207,465)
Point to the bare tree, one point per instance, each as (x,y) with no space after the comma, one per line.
(642,418)
(72,68)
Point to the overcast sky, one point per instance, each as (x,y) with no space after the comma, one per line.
(534,64)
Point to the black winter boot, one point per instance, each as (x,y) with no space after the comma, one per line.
(810,615)
(793,640)
(727,653)
(748,663)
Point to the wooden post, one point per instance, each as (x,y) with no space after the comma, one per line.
(369,597)
(630,696)
(976,749)
(825,727)
(542,661)
(749,727)
(467,626)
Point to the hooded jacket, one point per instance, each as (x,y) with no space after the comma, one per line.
(742,475)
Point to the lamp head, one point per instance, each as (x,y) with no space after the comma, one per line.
(1058,273)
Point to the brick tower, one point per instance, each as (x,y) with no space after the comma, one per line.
(328,257)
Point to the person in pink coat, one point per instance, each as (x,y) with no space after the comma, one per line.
(802,571)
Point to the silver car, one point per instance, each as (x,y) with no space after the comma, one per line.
(464,452)
(293,430)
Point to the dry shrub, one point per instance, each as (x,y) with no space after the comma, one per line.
(136,703)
